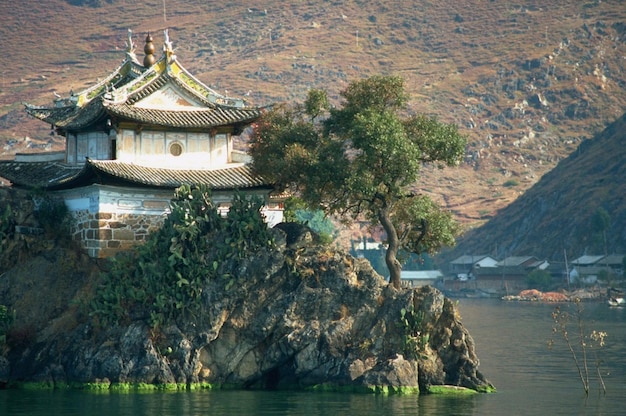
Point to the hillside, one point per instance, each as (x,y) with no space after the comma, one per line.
(526,82)
(592,178)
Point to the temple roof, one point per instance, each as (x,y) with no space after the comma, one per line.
(165,94)
(218,116)
(69,117)
(57,175)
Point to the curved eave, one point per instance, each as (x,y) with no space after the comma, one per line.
(114,172)
(196,87)
(41,175)
(126,73)
(196,118)
(164,71)
(69,117)
(58,176)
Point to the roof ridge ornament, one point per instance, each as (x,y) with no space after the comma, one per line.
(168,49)
(130,46)
(148,49)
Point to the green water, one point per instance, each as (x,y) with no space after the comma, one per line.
(222,403)
(511,340)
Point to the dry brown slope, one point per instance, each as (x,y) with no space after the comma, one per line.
(557,214)
(526,83)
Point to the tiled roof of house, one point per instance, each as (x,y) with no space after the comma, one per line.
(468,259)
(613,259)
(586,260)
(56,175)
(517,261)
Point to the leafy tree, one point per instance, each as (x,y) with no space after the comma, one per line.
(361,160)
(318,222)
(163,279)
(601,222)
(296,210)
(539,279)
(6,320)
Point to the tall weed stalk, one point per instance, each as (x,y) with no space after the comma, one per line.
(580,345)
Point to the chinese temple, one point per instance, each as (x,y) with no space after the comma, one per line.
(131,139)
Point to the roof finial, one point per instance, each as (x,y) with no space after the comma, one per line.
(130,45)
(167,45)
(149,59)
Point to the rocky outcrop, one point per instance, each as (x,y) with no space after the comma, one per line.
(301,316)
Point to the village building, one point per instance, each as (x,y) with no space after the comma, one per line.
(587,269)
(131,139)
(471,274)
(511,273)
(418,278)
(465,266)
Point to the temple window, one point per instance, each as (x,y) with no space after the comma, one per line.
(176,149)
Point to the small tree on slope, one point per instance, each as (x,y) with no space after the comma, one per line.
(362,159)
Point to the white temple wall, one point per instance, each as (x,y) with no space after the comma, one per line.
(174,149)
(108,219)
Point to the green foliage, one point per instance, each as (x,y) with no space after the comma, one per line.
(362,160)
(52,214)
(318,222)
(7,224)
(423,226)
(163,280)
(510,183)
(6,320)
(539,279)
(601,223)
(316,103)
(415,335)
(293,204)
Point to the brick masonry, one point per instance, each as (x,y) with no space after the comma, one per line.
(108,219)
(105,234)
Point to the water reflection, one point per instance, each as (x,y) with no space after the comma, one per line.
(511,341)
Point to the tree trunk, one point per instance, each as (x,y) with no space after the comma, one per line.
(393,242)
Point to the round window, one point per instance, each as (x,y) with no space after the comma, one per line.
(176,149)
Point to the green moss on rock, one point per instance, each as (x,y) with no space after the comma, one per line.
(449,390)
(371,389)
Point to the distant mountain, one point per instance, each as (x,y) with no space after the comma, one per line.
(565,210)
(527,82)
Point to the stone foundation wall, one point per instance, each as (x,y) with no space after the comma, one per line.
(107,219)
(106,234)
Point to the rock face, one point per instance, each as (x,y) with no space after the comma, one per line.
(300,316)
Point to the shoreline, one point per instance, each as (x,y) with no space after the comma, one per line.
(595,294)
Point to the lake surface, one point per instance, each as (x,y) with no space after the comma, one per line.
(511,341)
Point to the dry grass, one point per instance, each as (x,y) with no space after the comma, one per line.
(468,62)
